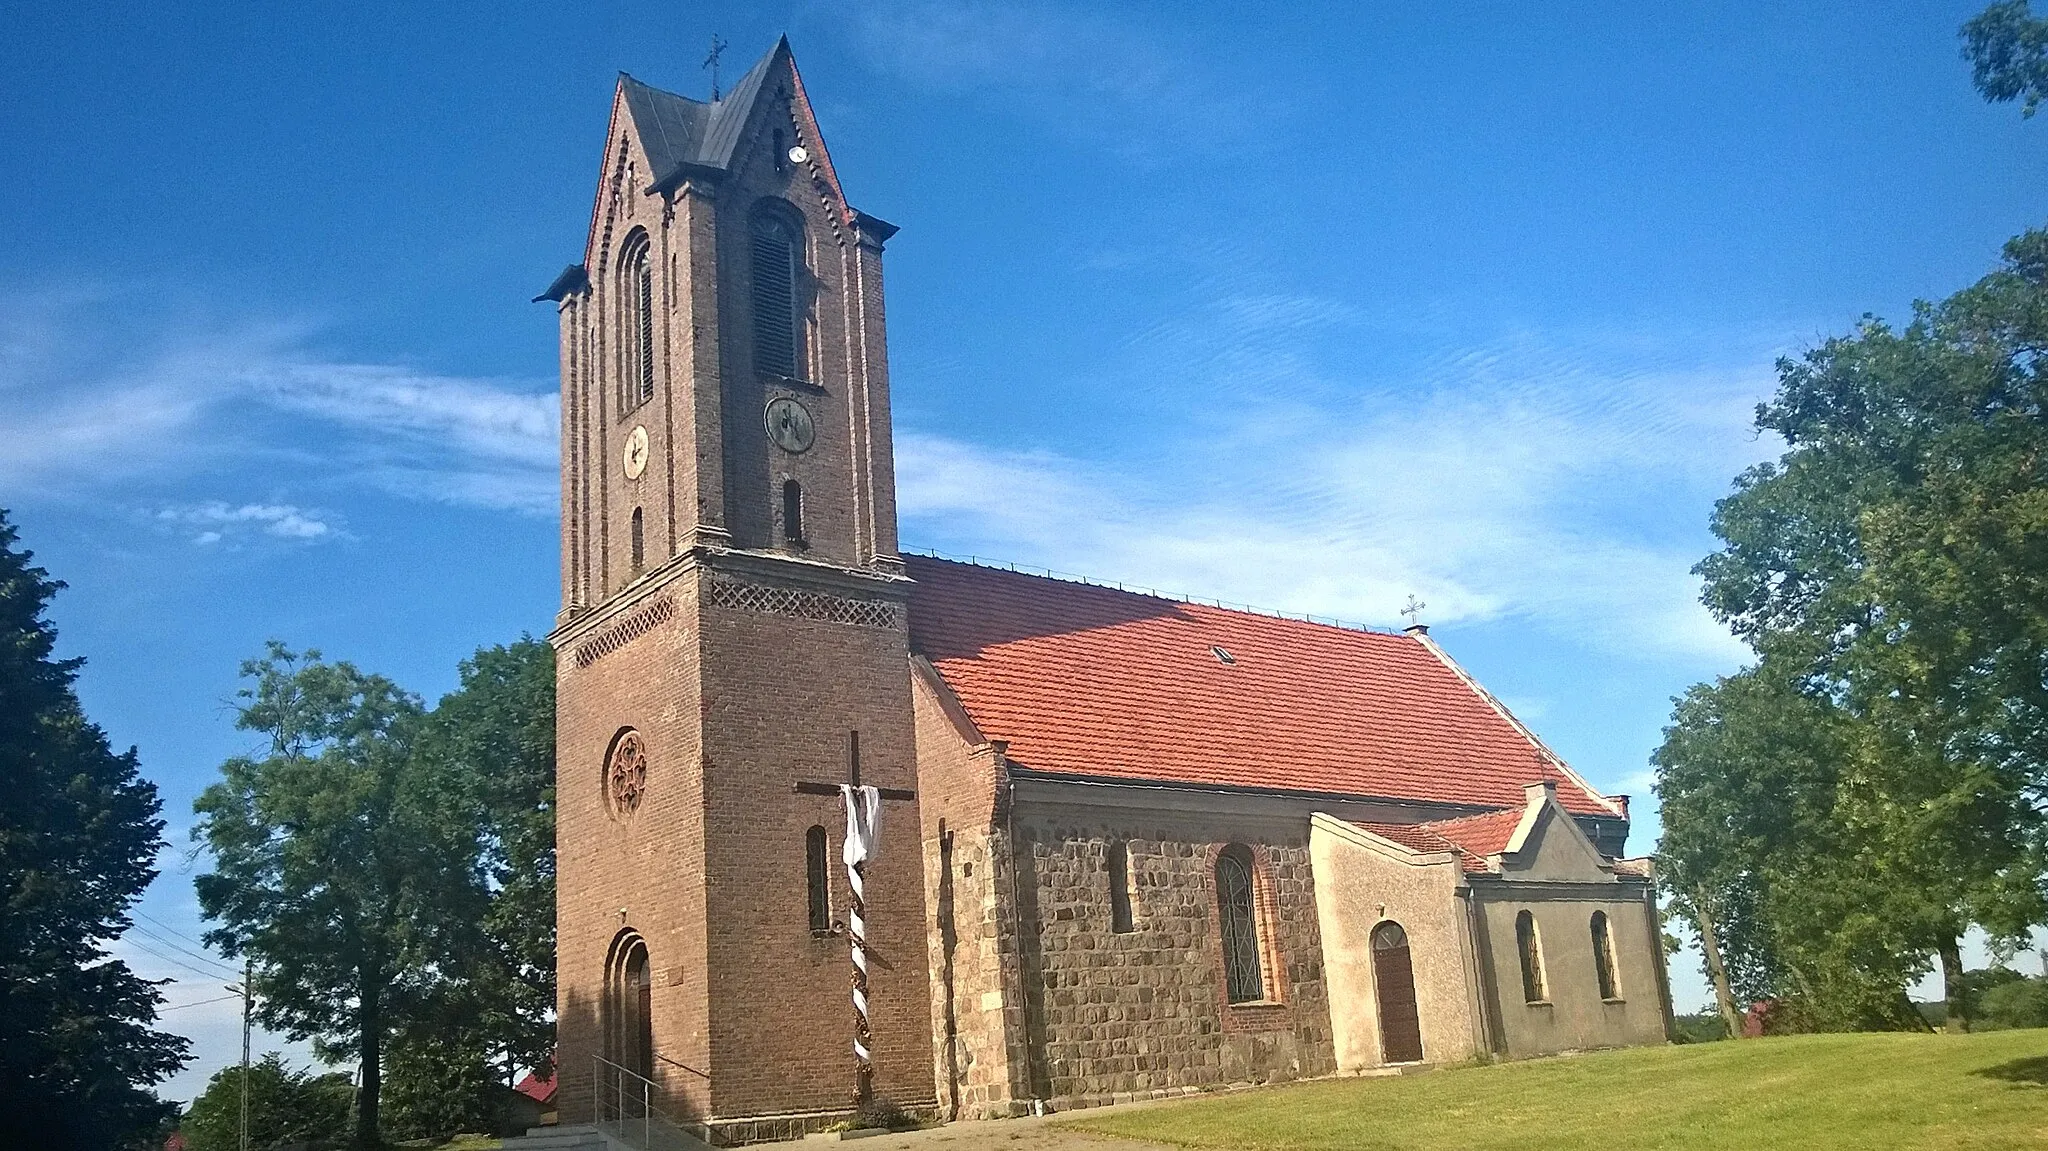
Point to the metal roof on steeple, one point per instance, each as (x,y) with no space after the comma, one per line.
(680,133)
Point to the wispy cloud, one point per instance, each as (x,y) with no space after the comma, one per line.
(1562,482)
(214,521)
(1103,73)
(87,402)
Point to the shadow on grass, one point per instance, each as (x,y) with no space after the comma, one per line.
(2034,1070)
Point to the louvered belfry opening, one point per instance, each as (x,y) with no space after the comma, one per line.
(775,285)
(636,323)
(643,281)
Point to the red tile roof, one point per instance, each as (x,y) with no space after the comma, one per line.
(1419,837)
(536,1088)
(1095,681)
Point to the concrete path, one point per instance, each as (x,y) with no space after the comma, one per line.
(1006,1134)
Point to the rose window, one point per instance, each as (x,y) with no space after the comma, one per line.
(625,773)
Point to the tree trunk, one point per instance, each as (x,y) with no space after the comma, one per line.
(1957,1009)
(1717,974)
(370,1069)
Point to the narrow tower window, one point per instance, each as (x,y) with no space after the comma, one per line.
(636,324)
(817,879)
(1603,957)
(1530,946)
(1235,908)
(1119,887)
(792,513)
(639,540)
(774,299)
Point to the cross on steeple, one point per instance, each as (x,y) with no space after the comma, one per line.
(852,794)
(1413,611)
(711,62)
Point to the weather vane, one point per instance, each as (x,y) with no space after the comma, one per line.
(1413,611)
(711,62)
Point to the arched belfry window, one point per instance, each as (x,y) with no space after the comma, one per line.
(777,268)
(1237,911)
(818,880)
(1603,957)
(636,323)
(1529,945)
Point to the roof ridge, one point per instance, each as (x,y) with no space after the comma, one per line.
(1154,593)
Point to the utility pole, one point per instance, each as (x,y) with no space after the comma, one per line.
(248,1001)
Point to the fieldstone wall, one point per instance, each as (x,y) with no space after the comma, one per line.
(1113,1016)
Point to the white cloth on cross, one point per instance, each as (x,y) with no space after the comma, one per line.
(863,824)
(863,842)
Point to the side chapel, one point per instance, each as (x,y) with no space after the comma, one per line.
(1128,846)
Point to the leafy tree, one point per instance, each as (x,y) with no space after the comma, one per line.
(441,1083)
(1897,556)
(79,835)
(2008,52)
(392,872)
(342,861)
(286,1107)
(494,737)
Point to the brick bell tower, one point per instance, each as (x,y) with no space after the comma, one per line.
(733,613)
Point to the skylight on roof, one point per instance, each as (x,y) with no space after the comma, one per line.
(1222,655)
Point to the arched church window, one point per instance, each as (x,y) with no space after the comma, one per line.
(1529,945)
(817,879)
(1603,957)
(1120,887)
(776,266)
(792,513)
(1236,909)
(636,324)
(639,541)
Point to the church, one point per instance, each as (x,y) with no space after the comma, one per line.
(838,823)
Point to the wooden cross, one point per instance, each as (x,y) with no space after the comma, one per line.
(863,1064)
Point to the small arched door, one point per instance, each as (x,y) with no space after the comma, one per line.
(1394,985)
(629,1010)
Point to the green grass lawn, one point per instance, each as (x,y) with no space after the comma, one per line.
(1988,1090)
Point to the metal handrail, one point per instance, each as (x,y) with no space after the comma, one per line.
(646,1089)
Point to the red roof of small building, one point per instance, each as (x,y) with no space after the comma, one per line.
(536,1088)
(1472,837)
(1093,681)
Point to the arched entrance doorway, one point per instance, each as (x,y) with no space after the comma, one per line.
(1394,985)
(629,1015)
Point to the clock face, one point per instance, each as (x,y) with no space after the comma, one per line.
(636,452)
(790,426)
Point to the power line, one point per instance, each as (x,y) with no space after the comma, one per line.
(209,975)
(201,1003)
(226,971)
(162,926)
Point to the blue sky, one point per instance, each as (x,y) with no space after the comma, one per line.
(1310,307)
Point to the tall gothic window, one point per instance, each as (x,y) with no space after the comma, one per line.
(1120,887)
(1236,908)
(777,262)
(1603,957)
(818,880)
(1530,946)
(636,324)
(639,541)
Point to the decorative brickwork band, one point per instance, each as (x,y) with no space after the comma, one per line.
(803,604)
(625,631)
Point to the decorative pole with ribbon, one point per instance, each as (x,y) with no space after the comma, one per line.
(863,805)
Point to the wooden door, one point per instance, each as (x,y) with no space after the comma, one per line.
(1394,982)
